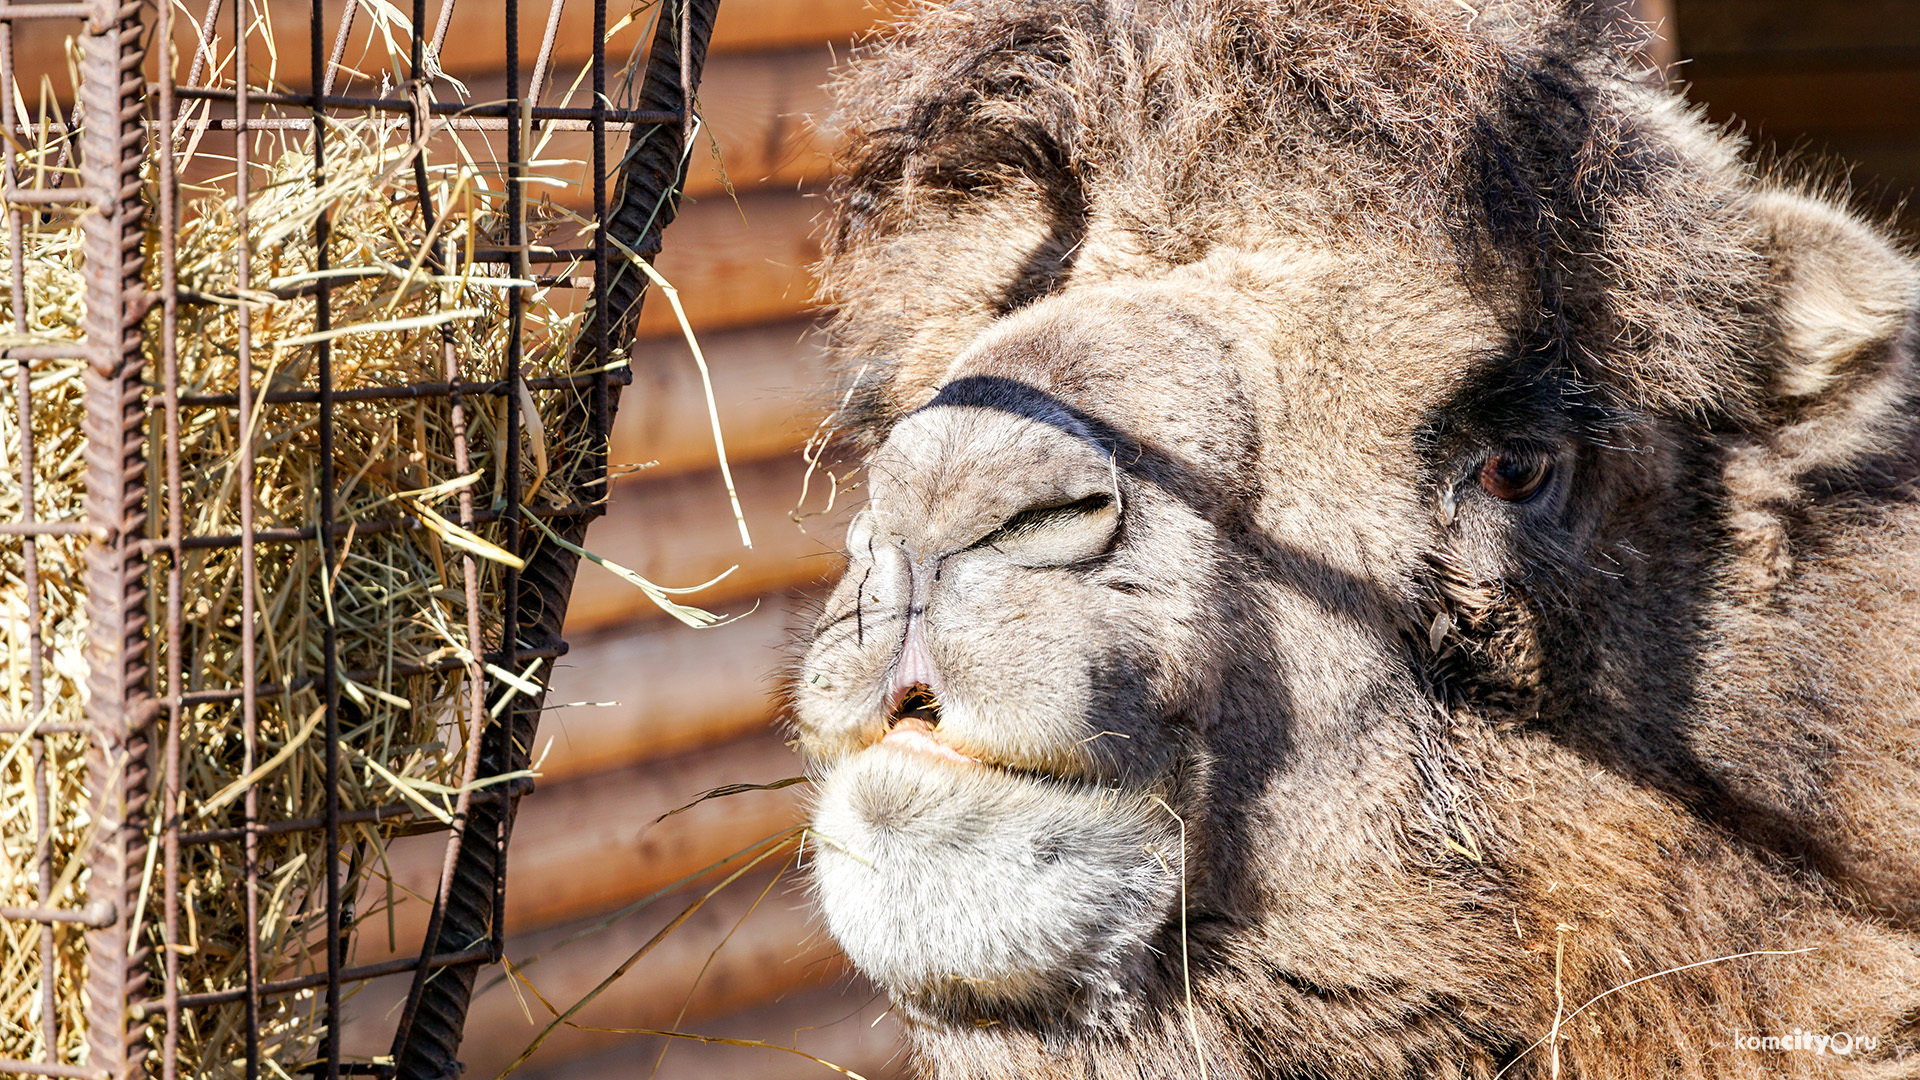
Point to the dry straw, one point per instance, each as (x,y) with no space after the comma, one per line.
(396,602)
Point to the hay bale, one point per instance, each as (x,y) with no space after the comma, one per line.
(52,273)
(398,598)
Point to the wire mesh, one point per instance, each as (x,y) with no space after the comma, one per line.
(132,143)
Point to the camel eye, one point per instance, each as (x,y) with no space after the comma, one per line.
(1515,475)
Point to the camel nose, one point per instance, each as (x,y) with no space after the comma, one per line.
(954,479)
(917,684)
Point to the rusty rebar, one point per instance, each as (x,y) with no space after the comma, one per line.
(336,922)
(172,802)
(30,574)
(649,180)
(249,569)
(119,707)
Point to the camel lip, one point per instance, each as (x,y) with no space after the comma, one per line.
(914,731)
(914,735)
(913,739)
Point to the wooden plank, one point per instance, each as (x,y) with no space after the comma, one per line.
(775,948)
(769,383)
(673,689)
(743,26)
(849,1023)
(594,843)
(476,39)
(737,262)
(760,109)
(758,112)
(680,531)
(757,108)
(1785,104)
(1771,27)
(772,24)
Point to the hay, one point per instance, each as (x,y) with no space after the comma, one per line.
(398,598)
(53,283)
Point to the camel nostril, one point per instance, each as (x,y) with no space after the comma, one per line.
(917,703)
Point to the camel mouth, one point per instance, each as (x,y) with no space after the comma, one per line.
(914,727)
(916,737)
(916,702)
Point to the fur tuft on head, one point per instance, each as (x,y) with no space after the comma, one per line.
(1094,140)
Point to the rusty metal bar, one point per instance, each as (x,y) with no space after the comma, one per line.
(551,34)
(43,860)
(597,332)
(210,697)
(308,982)
(119,707)
(362,528)
(32,529)
(98,913)
(63,350)
(403,107)
(516,322)
(440,30)
(339,48)
(95,197)
(10,12)
(455,123)
(375,814)
(409,392)
(203,51)
(42,1068)
(172,796)
(202,55)
(31,581)
(337,924)
(249,571)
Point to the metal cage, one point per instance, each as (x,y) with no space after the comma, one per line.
(135,531)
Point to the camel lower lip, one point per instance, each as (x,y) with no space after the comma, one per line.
(915,738)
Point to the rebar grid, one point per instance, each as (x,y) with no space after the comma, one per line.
(135,420)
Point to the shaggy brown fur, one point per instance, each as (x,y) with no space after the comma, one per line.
(1197,700)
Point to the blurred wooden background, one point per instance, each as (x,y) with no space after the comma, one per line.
(679,711)
(1830,83)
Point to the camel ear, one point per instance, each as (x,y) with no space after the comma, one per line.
(1846,314)
(1840,375)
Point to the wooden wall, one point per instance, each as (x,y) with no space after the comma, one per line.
(674,711)
(1835,83)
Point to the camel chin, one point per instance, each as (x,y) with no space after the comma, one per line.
(967,888)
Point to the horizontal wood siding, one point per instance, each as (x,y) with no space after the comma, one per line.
(647,714)
(1831,86)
